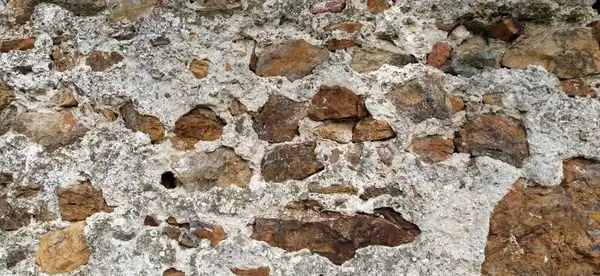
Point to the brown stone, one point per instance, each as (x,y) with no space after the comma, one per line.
(21,44)
(577,88)
(15,256)
(433,149)
(305,205)
(160,41)
(495,136)
(340,132)
(439,54)
(173,272)
(378,6)
(199,68)
(130,9)
(101,61)
(293,59)
(596,28)
(334,235)
(237,108)
(371,59)
(221,168)
(370,129)
(63,251)
(142,123)
(457,103)
(26,189)
(373,192)
(340,44)
(110,115)
(172,232)
(323,6)
(151,221)
(51,130)
(277,120)
(6,178)
(538,230)
(66,99)
(219,5)
(6,95)
(77,202)
(508,29)
(336,103)
(215,234)
(493,99)
(200,124)
(260,271)
(566,52)
(350,27)
(289,162)
(12,218)
(174,222)
(64,58)
(386,154)
(332,189)
(422,98)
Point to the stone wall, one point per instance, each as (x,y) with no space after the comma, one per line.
(274,137)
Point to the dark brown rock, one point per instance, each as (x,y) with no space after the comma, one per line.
(6,95)
(439,54)
(20,44)
(26,190)
(334,235)
(101,61)
(289,162)
(323,6)
(277,120)
(15,256)
(373,192)
(77,202)
(260,271)
(6,178)
(371,59)
(577,88)
(433,149)
(143,123)
(548,230)
(12,218)
(173,272)
(214,234)
(293,59)
(172,232)
(172,221)
(150,221)
(332,189)
(378,6)
(336,103)
(51,130)
(370,129)
(340,44)
(200,124)
(421,99)
(495,136)
(508,29)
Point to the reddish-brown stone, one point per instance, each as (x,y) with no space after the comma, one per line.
(433,149)
(21,44)
(293,59)
(495,136)
(457,103)
(350,27)
(334,235)
(200,124)
(215,234)
(289,162)
(340,44)
(260,271)
(538,230)
(370,129)
(508,29)
(143,123)
(378,6)
(422,98)
(323,6)
(173,272)
(577,88)
(101,61)
(77,202)
(51,130)
(336,103)
(12,218)
(277,120)
(439,53)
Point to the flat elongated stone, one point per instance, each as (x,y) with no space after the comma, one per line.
(277,120)
(577,87)
(340,132)
(63,250)
(378,6)
(260,271)
(289,162)
(200,124)
(336,102)
(20,44)
(77,202)
(293,59)
(371,59)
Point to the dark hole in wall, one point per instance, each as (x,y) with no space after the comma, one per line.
(596,6)
(168,180)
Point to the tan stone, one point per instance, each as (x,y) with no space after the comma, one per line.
(130,9)
(370,129)
(457,103)
(51,130)
(378,6)
(493,99)
(200,124)
(6,95)
(439,54)
(293,59)
(20,44)
(336,103)
(64,58)
(77,202)
(260,271)
(277,120)
(237,108)
(143,123)
(289,162)
(371,59)
(101,61)
(63,251)
(199,68)
(340,132)
(422,98)
(66,99)
(577,88)
(350,27)
(433,149)
(332,189)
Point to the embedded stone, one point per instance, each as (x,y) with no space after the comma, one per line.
(323,6)
(218,5)
(277,120)
(350,27)
(199,68)
(457,103)
(260,271)
(214,234)
(439,54)
(20,44)
(200,124)
(51,130)
(336,103)
(334,235)
(173,272)
(378,6)
(6,95)
(332,189)
(237,108)
(422,98)
(373,192)
(472,56)
(370,129)
(12,218)
(151,221)
(64,58)
(130,9)
(493,99)
(102,61)
(577,88)
(340,44)
(293,59)
(77,202)
(508,29)
(63,251)
(495,136)
(142,123)
(371,59)
(66,99)
(289,162)
(340,132)
(433,149)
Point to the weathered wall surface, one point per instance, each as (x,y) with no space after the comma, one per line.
(329,137)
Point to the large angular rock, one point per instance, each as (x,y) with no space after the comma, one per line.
(51,130)
(221,168)
(336,103)
(371,59)
(334,235)
(200,124)
(289,162)
(130,9)
(277,120)
(422,98)
(566,52)
(474,55)
(143,123)
(63,251)
(77,202)
(495,136)
(548,230)
(293,59)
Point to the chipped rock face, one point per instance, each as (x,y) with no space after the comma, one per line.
(289,162)
(340,132)
(63,251)
(143,123)
(370,129)
(371,59)
(64,58)
(552,230)
(421,99)
(200,124)
(51,130)
(293,59)
(277,120)
(433,149)
(173,272)
(77,202)
(333,235)
(508,29)
(12,218)
(336,103)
